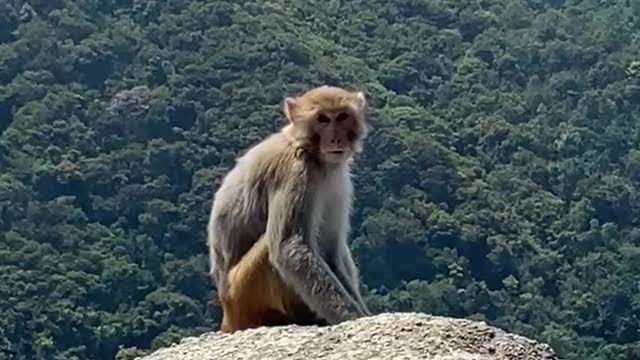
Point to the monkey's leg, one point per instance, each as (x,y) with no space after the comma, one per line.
(286,306)
(229,322)
(238,314)
(256,295)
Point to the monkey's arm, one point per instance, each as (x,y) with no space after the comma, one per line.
(295,257)
(348,273)
(334,231)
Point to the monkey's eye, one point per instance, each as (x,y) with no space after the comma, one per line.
(323,119)
(342,116)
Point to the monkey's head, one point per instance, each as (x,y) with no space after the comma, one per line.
(330,121)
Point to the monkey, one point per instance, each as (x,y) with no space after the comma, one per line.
(294,191)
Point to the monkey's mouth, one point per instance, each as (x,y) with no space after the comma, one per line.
(336,151)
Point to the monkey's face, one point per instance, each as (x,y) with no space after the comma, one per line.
(329,120)
(336,134)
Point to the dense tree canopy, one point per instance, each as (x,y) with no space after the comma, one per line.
(501,179)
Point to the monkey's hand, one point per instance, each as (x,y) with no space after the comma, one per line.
(294,254)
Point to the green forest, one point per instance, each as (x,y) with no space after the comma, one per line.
(500,180)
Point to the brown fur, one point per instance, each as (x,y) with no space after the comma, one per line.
(257,296)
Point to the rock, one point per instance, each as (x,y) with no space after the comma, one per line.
(380,337)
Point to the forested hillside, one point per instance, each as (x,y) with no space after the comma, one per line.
(501,179)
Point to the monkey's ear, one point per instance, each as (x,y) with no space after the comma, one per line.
(288,108)
(361,100)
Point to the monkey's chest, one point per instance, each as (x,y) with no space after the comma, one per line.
(328,214)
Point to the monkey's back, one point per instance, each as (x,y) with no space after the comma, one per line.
(240,207)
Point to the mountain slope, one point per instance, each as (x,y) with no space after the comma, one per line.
(499,181)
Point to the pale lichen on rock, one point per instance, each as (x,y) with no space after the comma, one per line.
(385,336)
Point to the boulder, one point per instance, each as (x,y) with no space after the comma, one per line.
(379,337)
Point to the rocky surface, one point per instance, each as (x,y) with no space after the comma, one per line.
(381,337)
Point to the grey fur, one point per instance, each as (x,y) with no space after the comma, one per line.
(348,274)
(278,188)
